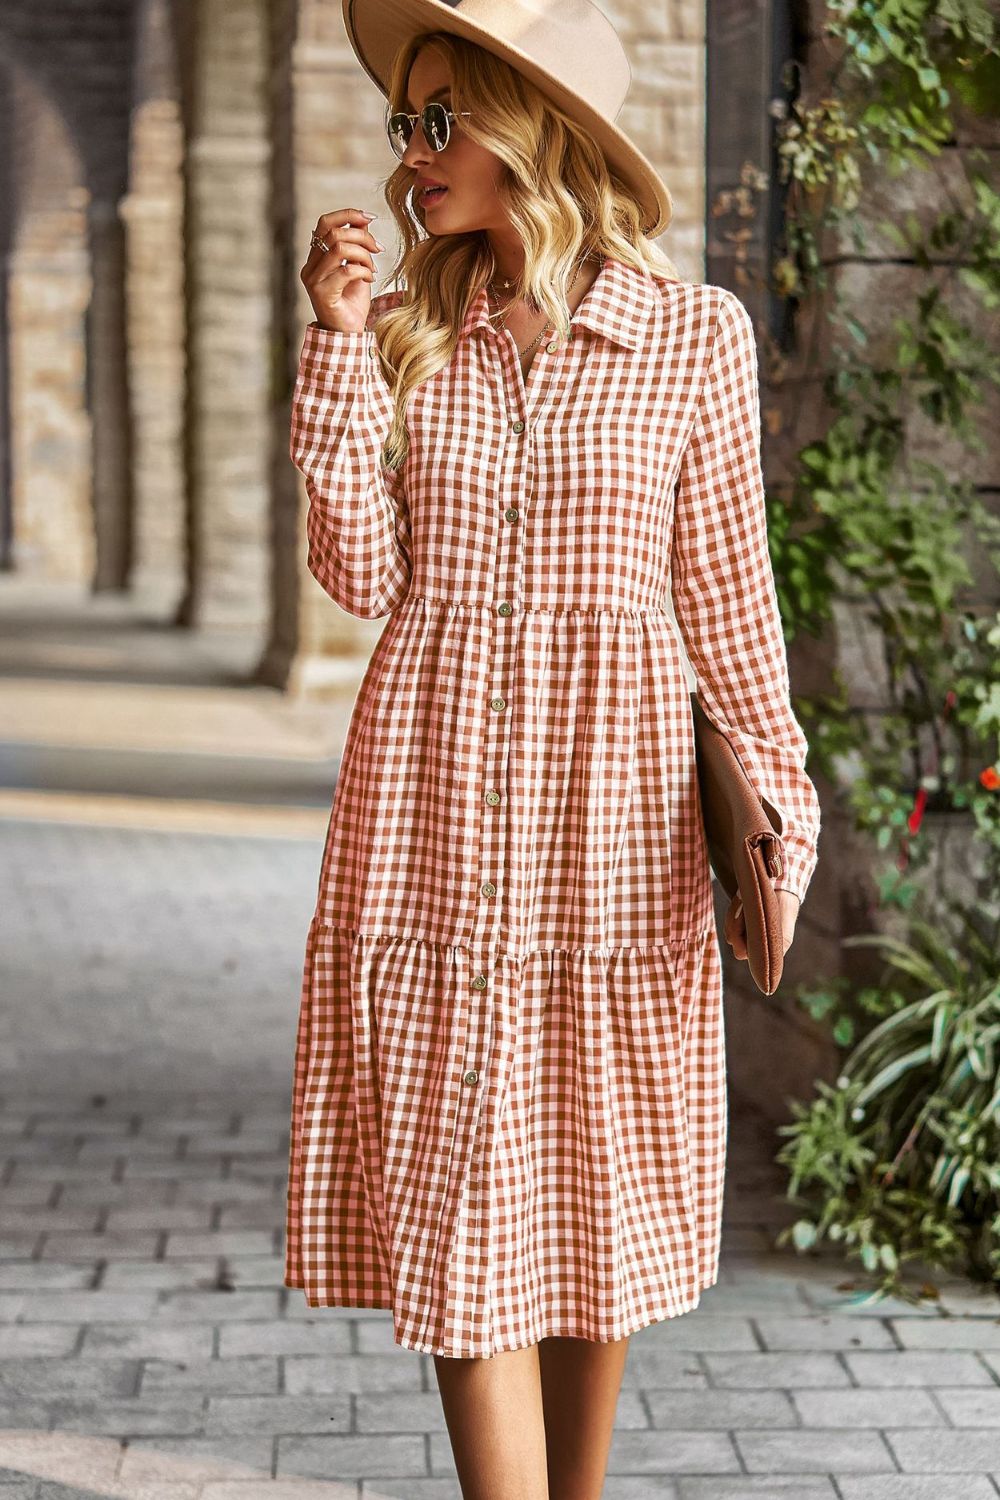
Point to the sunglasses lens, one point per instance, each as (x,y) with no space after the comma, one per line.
(434,123)
(399,130)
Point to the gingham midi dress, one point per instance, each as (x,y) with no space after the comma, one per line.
(509,1102)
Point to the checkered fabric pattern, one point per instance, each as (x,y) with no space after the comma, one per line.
(509,1106)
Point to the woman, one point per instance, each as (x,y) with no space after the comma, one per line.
(509,1108)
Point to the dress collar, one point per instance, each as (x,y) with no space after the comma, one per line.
(618,305)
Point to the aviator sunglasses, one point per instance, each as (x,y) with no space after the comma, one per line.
(435,122)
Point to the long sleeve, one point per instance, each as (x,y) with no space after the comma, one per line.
(724,594)
(358,522)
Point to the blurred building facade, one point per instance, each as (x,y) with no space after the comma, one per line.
(169,160)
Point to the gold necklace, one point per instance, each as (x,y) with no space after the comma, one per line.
(506,311)
(508,282)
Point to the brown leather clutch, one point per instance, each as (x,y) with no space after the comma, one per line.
(743,832)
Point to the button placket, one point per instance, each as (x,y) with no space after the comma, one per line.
(490,921)
(490,926)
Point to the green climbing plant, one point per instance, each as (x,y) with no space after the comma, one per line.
(880,529)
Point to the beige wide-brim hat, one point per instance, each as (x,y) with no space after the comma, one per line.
(568,48)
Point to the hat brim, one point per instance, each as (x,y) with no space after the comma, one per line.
(377,29)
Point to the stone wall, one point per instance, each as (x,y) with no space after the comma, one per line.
(775,1051)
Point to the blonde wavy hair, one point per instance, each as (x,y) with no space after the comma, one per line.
(557,190)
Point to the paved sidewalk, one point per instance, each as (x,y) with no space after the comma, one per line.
(149,1347)
(92,673)
(149,969)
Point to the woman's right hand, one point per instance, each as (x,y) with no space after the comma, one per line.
(341,295)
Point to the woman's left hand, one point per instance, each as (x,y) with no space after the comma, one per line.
(735,926)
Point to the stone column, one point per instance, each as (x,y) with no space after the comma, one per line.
(153,214)
(229,315)
(48,292)
(6,233)
(315,647)
(275,664)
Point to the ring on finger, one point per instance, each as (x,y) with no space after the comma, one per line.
(320,244)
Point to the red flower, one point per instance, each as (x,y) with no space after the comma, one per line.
(919,803)
(990,778)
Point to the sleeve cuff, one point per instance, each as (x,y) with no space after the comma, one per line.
(329,354)
(800,862)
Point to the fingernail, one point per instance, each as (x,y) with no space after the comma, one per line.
(369,217)
(378,246)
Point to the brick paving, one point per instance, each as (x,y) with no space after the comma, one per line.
(149,1348)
